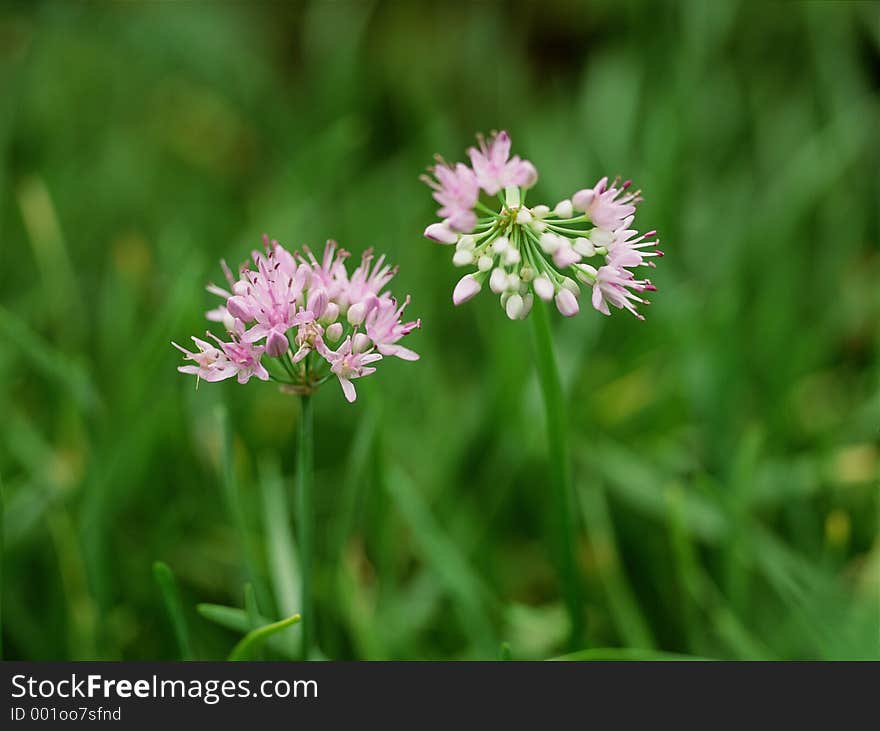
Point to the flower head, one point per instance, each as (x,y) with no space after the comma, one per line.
(523,251)
(287,306)
(494,169)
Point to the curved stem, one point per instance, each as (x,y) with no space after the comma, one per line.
(562,525)
(305,520)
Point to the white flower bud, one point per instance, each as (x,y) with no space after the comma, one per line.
(514,306)
(564,209)
(511,256)
(566,303)
(528,299)
(334,332)
(544,287)
(467,287)
(513,281)
(462,258)
(331,313)
(441,233)
(549,242)
(524,216)
(484,263)
(565,255)
(356,314)
(540,211)
(571,286)
(466,242)
(527,274)
(498,280)
(583,275)
(500,244)
(360,343)
(601,237)
(583,199)
(584,247)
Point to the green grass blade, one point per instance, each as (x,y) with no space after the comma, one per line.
(237,620)
(253,639)
(624,607)
(280,546)
(170,596)
(472,597)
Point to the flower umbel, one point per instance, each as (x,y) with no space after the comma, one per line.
(521,251)
(289,306)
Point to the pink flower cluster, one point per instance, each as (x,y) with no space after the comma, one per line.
(524,251)
(295,309)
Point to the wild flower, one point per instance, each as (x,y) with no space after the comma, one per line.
(289,308)
(522,252)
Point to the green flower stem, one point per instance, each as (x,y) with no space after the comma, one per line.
(562,525)
(305,519)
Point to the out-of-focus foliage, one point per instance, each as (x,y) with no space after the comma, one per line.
(725,451)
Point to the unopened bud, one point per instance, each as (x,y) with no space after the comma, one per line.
(356,314)
(360,343)
(549,242)
(334,332)
(513,307)
(564,209)
(499,245)
(462,258)
(498,280)
(543,287)
(276,344)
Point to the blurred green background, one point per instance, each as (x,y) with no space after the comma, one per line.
(725,451)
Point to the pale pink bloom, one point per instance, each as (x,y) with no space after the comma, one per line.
(466,288)
(293,298)
(220,313)
(272,296)
(628,248)
(441,233)
(217,363)
(457,191)
(617,286)
(329,273)
(367,279)
(495,169)
(384,327)
(347,365)
(606,207)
